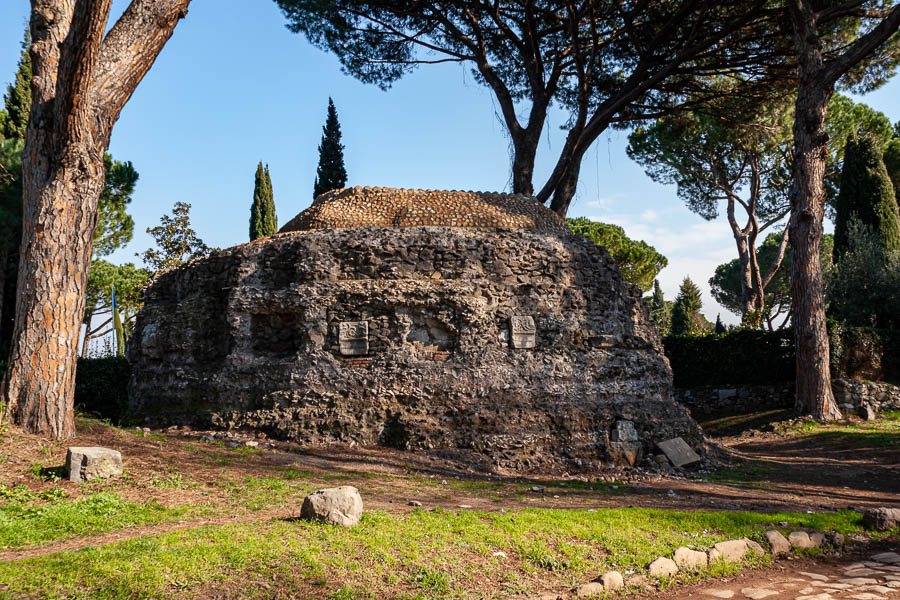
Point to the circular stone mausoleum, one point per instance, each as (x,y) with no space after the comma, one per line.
(468,322)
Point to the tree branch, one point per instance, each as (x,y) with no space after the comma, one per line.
(129,50)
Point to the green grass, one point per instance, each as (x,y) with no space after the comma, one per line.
(30,518)
(884,432)
(428,555)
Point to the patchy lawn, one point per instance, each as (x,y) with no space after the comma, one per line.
(196,517)
(421,554)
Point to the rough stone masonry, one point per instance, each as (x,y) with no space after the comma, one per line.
(512,343)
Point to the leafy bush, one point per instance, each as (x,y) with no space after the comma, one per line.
(101,386)
(863,291)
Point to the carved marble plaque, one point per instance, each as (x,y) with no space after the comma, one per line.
(353,338)
(522,331)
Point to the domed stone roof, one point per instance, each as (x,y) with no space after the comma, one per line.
(393,207)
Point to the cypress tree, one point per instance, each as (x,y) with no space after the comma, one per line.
(263,220)
(17,100)
(330,174)
(867,193)
(720,327)
(686,312)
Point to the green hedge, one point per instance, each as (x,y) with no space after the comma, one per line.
(101,386)
(739,357)
(765,357)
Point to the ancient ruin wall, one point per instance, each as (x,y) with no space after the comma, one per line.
(402,337)
(392,207)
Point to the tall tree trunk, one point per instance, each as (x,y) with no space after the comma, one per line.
(747,291)
(813,383)
(61,205)
(4,267)
(565,189)
(82,80)
(86,343)
(524,153)
(815,87)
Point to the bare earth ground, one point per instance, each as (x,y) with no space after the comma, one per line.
(770,471)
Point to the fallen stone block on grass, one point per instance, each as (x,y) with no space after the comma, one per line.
(882,518)
(84,463)
(663,567)
(340,505)
(731,550)
(780,544)
(689,560)
(817,539)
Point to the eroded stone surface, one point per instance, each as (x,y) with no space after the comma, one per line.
(678,452)
(612,580)
(731,550)
(250,338)
(339,505)
(663,567)
(780,545)
(688,559)
(84,463)
(800,539)
(882,518)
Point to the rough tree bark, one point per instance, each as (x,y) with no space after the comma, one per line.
(82,80)
(816,82)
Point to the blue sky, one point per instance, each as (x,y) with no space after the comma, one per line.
(234,86)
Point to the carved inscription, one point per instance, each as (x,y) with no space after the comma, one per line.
(353,338)
(522,332)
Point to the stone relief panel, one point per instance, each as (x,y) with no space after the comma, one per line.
(353,338)
(522,331)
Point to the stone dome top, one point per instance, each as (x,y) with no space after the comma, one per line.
(394,207)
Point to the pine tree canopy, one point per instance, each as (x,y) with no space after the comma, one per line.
(330,174)
(866,192)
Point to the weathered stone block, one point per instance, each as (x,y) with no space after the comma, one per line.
(800,539)
(689,560)
(624,431)
(340,505)
(84,463)
(523,332)
(678,452)
(612,580)
(662,567)
(731,550)
(780,544)
(626,453)
(353,338)
(882,518)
